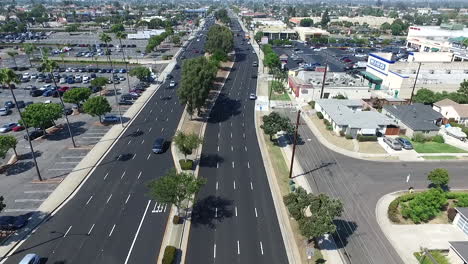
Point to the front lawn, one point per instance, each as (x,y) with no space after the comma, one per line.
(436,254)
(276,96)
(434,147)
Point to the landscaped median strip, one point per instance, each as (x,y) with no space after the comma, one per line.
(72,183)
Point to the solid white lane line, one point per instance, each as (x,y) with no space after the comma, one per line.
(172,109)
(139,175)
(234,185)
(128,197)
(233,164)
(217,165)
(248,164)
(136,235)
(216,212)
(112,230)
(235,210)
(251,186)
(89,200)
(231,123)
(231,134)
(167,119)
(151,111)
(238,247)
(150,129)
(218,135)
(105,176)
(214,251)
(156,119)
(134,155)
(243,135)
(144,120)
(256,215)
(216,185)
(218,148)
(232,148)
(245,147)
(242,124)
(123,174)
(162,129)
(90,230)
(143,141)
(149,155)
(68,230)
(261,247)
(108,199)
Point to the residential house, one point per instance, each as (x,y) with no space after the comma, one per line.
(352,117)
(458,252)
(452,110)
(415,118)
(461,219)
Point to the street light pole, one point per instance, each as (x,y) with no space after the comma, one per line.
(295,143)
(414,84)
(27,132)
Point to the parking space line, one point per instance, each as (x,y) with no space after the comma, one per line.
(63,169)
(67,162)
(28,200)
(37,191)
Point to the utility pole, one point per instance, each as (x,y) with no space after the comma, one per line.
(414,85)
(323,80)
(295,143)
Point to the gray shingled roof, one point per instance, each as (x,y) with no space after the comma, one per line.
(342,115)
(463,211)
(461,247)
(416,116)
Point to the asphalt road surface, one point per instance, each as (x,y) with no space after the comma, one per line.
(112,219)
(234,219)
(360,184)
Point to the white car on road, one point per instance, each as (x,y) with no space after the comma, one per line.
(172,84)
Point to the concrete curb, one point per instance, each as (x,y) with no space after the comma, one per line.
(80,174)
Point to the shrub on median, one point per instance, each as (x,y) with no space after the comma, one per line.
(186,164)
(319,115)
(169,255)
(348,136)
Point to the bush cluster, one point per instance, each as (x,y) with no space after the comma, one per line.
(342,133)
(362,138)
(348,136)
(169,255)
(312,104)
(319,115)
(438,139)
(326,122)
(393,207)
(186,164)
(176,220)
(421,138)
(424,206)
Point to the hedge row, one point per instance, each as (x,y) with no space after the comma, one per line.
(393,211)
(169,255)
(186,164)
(362,138)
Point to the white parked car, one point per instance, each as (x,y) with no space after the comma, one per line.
(48,102)
(62,81)
(121,78)
(45,87)
(85,78)
(172,84)
(252,96)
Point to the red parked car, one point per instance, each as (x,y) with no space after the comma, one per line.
(138,91)
(17,128)
(63,89)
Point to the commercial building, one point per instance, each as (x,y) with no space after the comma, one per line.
(372,21)
(437,72)
(307,85)
(145,34)
(308,33)
(278,32)
(415,118)
(353,117)
(437,38)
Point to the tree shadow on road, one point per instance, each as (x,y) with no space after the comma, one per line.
(224,108)
(210,209)
(344,230)
(210,160)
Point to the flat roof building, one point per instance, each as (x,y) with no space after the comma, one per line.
(308,33)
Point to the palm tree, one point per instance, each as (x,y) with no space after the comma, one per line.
(49,66)
(8,78)
(106,39)
(12,55)
(29,50)
(121,35)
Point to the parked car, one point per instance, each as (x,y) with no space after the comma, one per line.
(255,64)
(406,144)
(34,134)
(17,128)
(172,83)
(392,143)
(110,119)
(125,102)
(9,104)
(252,96)
(5,111)
(35,93)
(11,223)
(20,104)
(67,111)
(30,259)
(7,127)
(128,97)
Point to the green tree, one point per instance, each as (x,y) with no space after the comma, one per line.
(397,29)
(29,49)
(12,55)
(271,60)
(41,115)
(258,36)
(99,82)
(196,82)
(175,188)
(72,28)
(463,90)
(306,22)
(117,28)
(325,19)
(438,177)
(385,26)
(97,106)
(140,72)
(219,38)
(274,123)
(176,40)
(278,87)
(424,96)
(186,143)
(424,206)
(77,96)
(297,203)
(7,142)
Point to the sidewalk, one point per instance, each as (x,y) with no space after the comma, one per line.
(407,239)
(72,183)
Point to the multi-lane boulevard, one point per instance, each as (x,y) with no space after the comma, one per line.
(360,184)
(234,220)
(111,219)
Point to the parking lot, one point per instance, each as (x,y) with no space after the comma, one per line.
(55,154)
